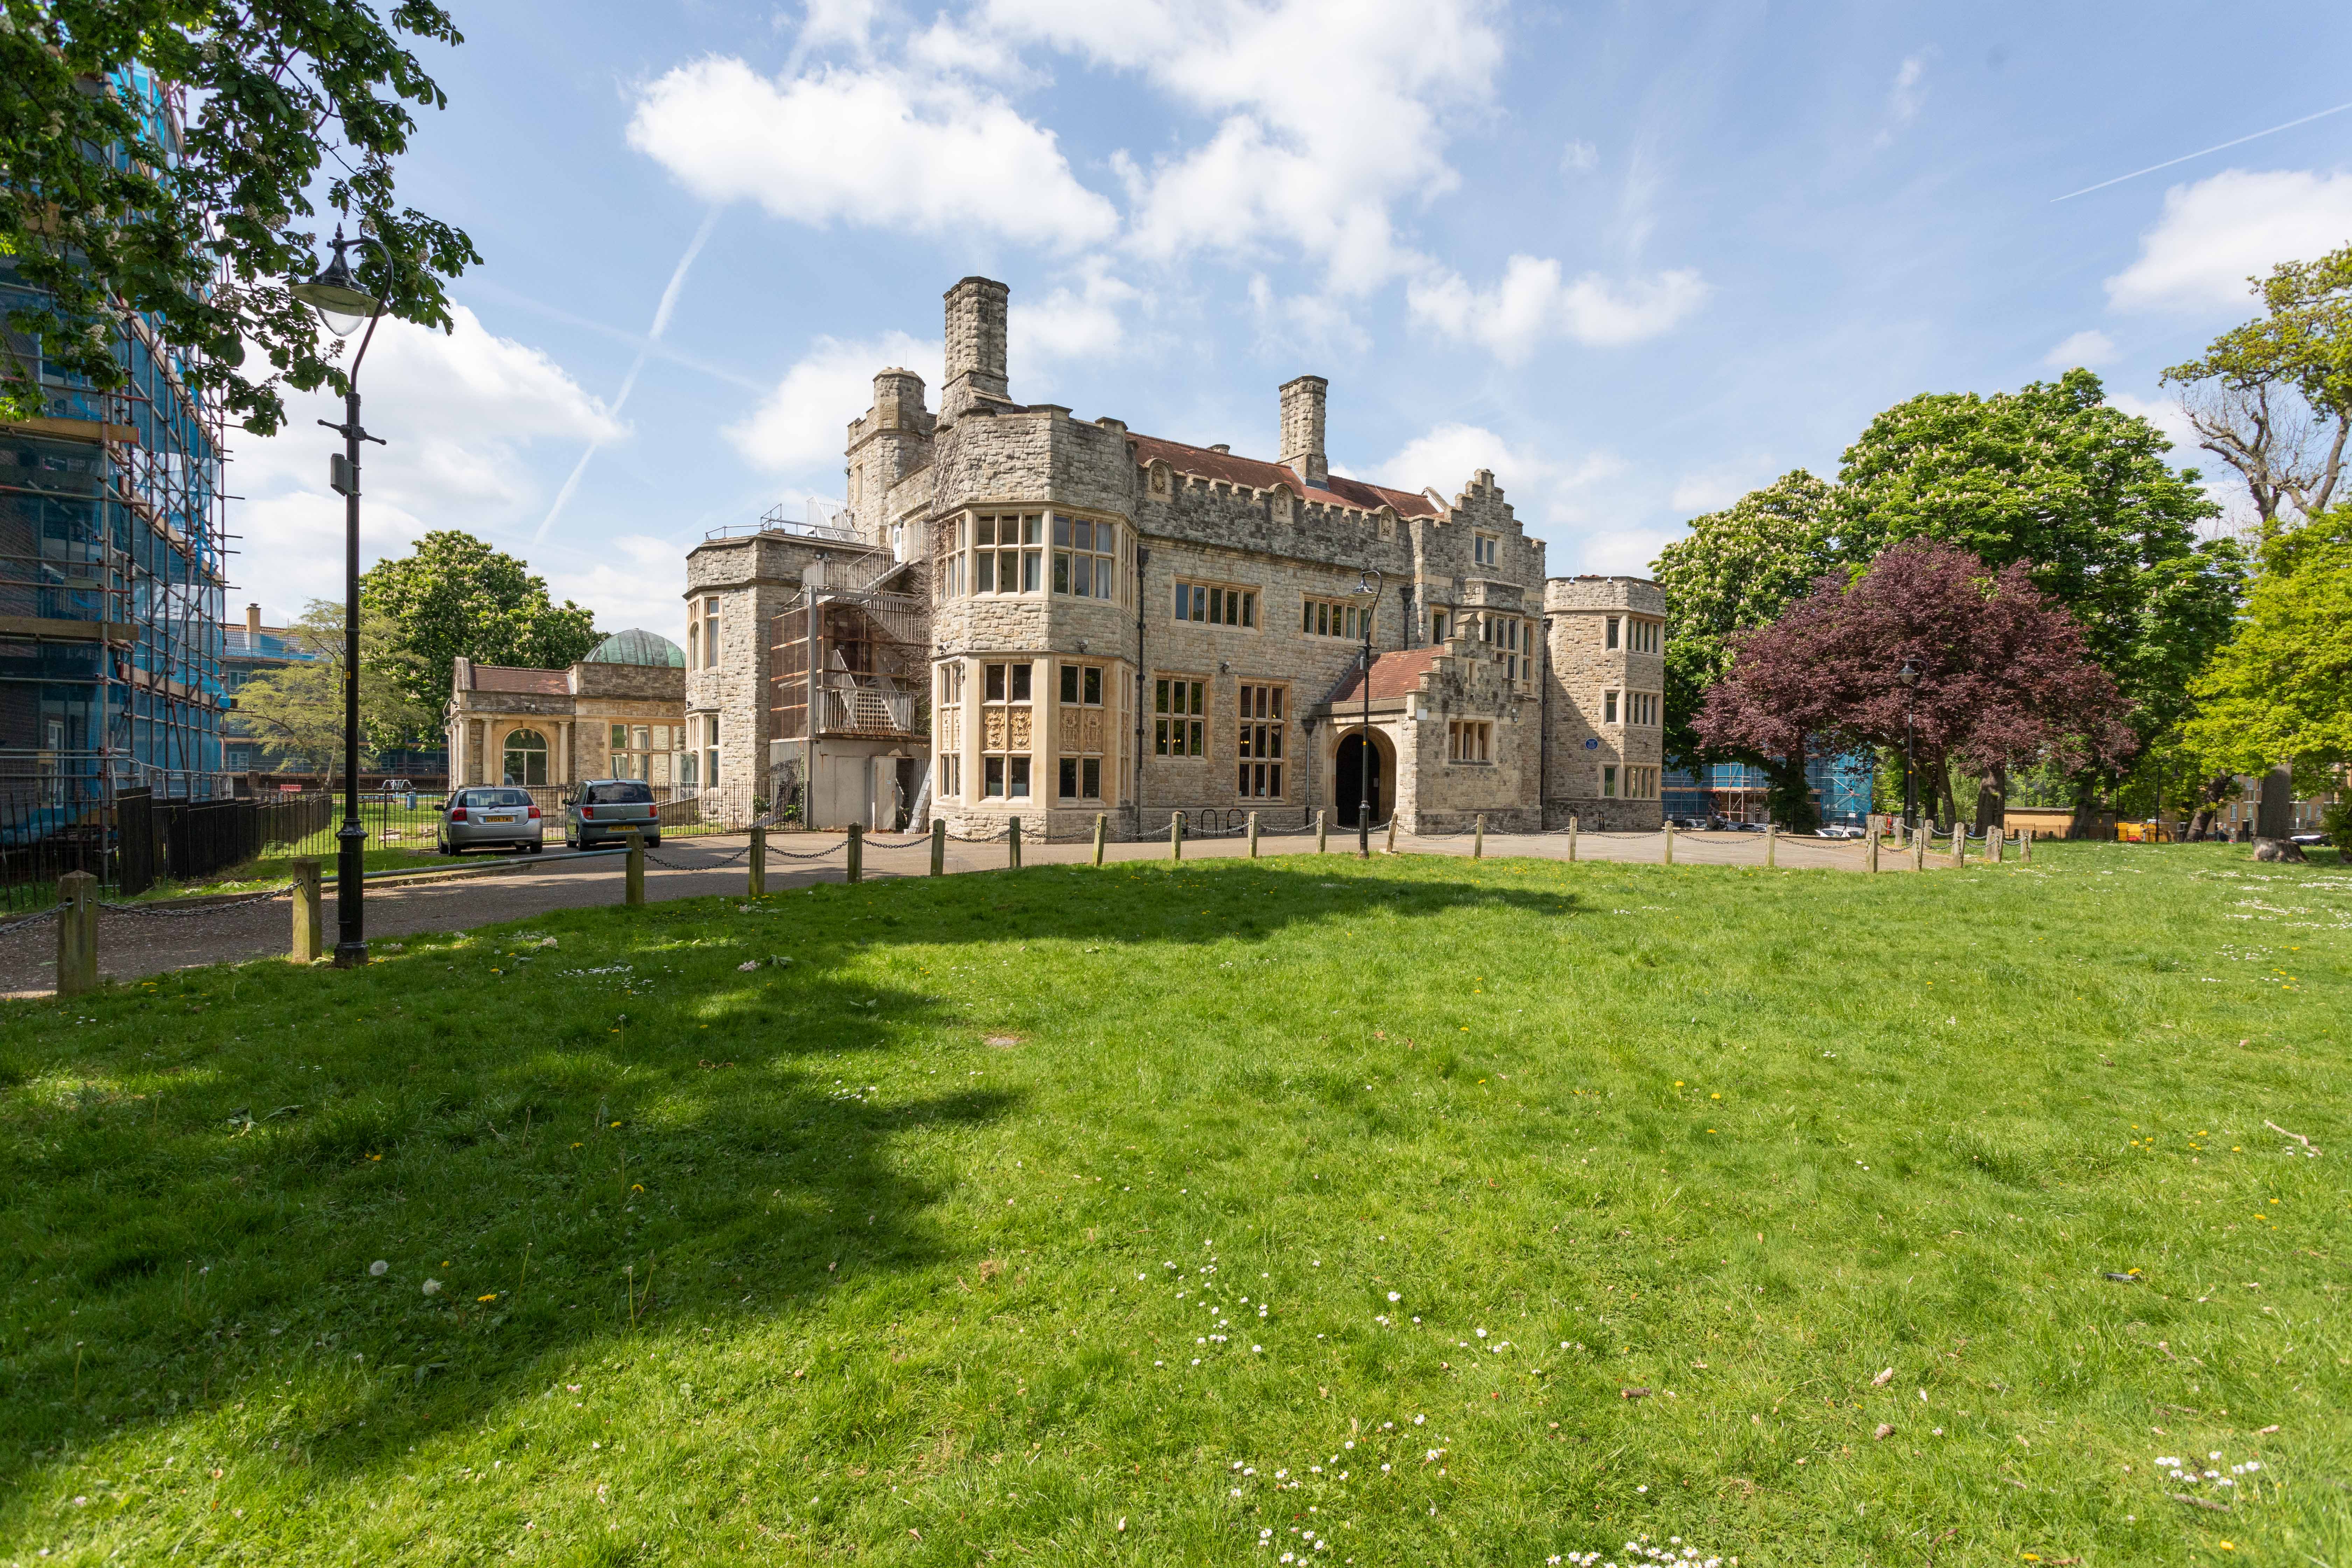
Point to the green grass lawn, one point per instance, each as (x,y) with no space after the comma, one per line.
(1168,1214)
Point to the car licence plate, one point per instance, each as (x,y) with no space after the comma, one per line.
(507,817)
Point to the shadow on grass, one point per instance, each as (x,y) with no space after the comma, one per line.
(651,1127)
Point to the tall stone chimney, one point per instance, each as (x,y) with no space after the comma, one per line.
(1302,428)
(975,358)
(252,627)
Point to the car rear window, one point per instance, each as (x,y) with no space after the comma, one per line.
(479,797)
(621,792)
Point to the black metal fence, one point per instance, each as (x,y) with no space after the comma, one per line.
(132,839)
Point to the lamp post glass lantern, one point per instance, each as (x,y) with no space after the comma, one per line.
(344,306)
(1368,583)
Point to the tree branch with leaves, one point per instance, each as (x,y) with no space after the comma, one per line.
(111,207)
(2272,398)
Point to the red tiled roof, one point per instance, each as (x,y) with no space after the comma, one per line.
(514,678)
(1394,675)
(1260,476)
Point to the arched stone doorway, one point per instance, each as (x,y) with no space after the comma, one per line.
(1348,777)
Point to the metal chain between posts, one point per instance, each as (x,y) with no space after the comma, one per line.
(904,844)
(997,837)
(163,910)
(23,921)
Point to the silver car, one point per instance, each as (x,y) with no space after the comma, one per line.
(604,811)
(490,818)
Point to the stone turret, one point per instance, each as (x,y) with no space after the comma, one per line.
(975,346)
(1302,428)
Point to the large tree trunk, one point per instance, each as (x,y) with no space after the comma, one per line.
(1789,800)
(2274,809)
(2086,807)
(1949,807)
(1992,801)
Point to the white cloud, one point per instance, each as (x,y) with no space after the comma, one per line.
(2089,349)
(880,148)
(849,22)
(2166,416)
(1086,322)
(1326,115)
(1620,552)
(1712,490)
(1446,455)
(800,425)
(2215,234)
(1580,158)
(1532,304)
(1304,323)
(634,580)
(459,414)
(1906,97)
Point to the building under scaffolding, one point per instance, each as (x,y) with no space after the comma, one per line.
(1735,792)
(850,673)
(111,567)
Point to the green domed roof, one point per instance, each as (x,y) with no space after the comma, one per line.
(636,647)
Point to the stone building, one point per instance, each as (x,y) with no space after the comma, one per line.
(1085,619)
(620,713)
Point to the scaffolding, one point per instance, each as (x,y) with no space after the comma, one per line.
(872,670)
(113,563)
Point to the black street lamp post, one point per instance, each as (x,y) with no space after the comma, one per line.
(344,307)
(1367,582)
(1909,675)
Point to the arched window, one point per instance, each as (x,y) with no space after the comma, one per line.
(526,758)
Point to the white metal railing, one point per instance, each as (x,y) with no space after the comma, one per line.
(866,711)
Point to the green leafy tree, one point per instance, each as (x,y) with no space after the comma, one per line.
(299,706)
(2283,686)
(1737,571)
(2082,494)
(111,205)
(455,597)
(2272,398)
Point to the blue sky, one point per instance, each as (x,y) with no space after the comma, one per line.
(1636,259)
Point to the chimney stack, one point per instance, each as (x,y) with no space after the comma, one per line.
(1302,429)
(252,626)
(975,345)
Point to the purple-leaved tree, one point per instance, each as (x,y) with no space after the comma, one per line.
(2004,675)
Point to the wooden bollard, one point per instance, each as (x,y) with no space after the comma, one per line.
(755,864)
(1012,843)
(938,847)
(309,924)
(1571,839)
(1176,836)
(1771,845)
(1253,835)
(1960,842)
(1669,852)
(2025,846)
(1322,835)
(855,847)
(77,933)
(1870,848)
(1478,837)
(1102,833)
(1993,837)
(633,880)
(1919,848)
(1393,816)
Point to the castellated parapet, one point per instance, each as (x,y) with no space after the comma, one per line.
(1127,625)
